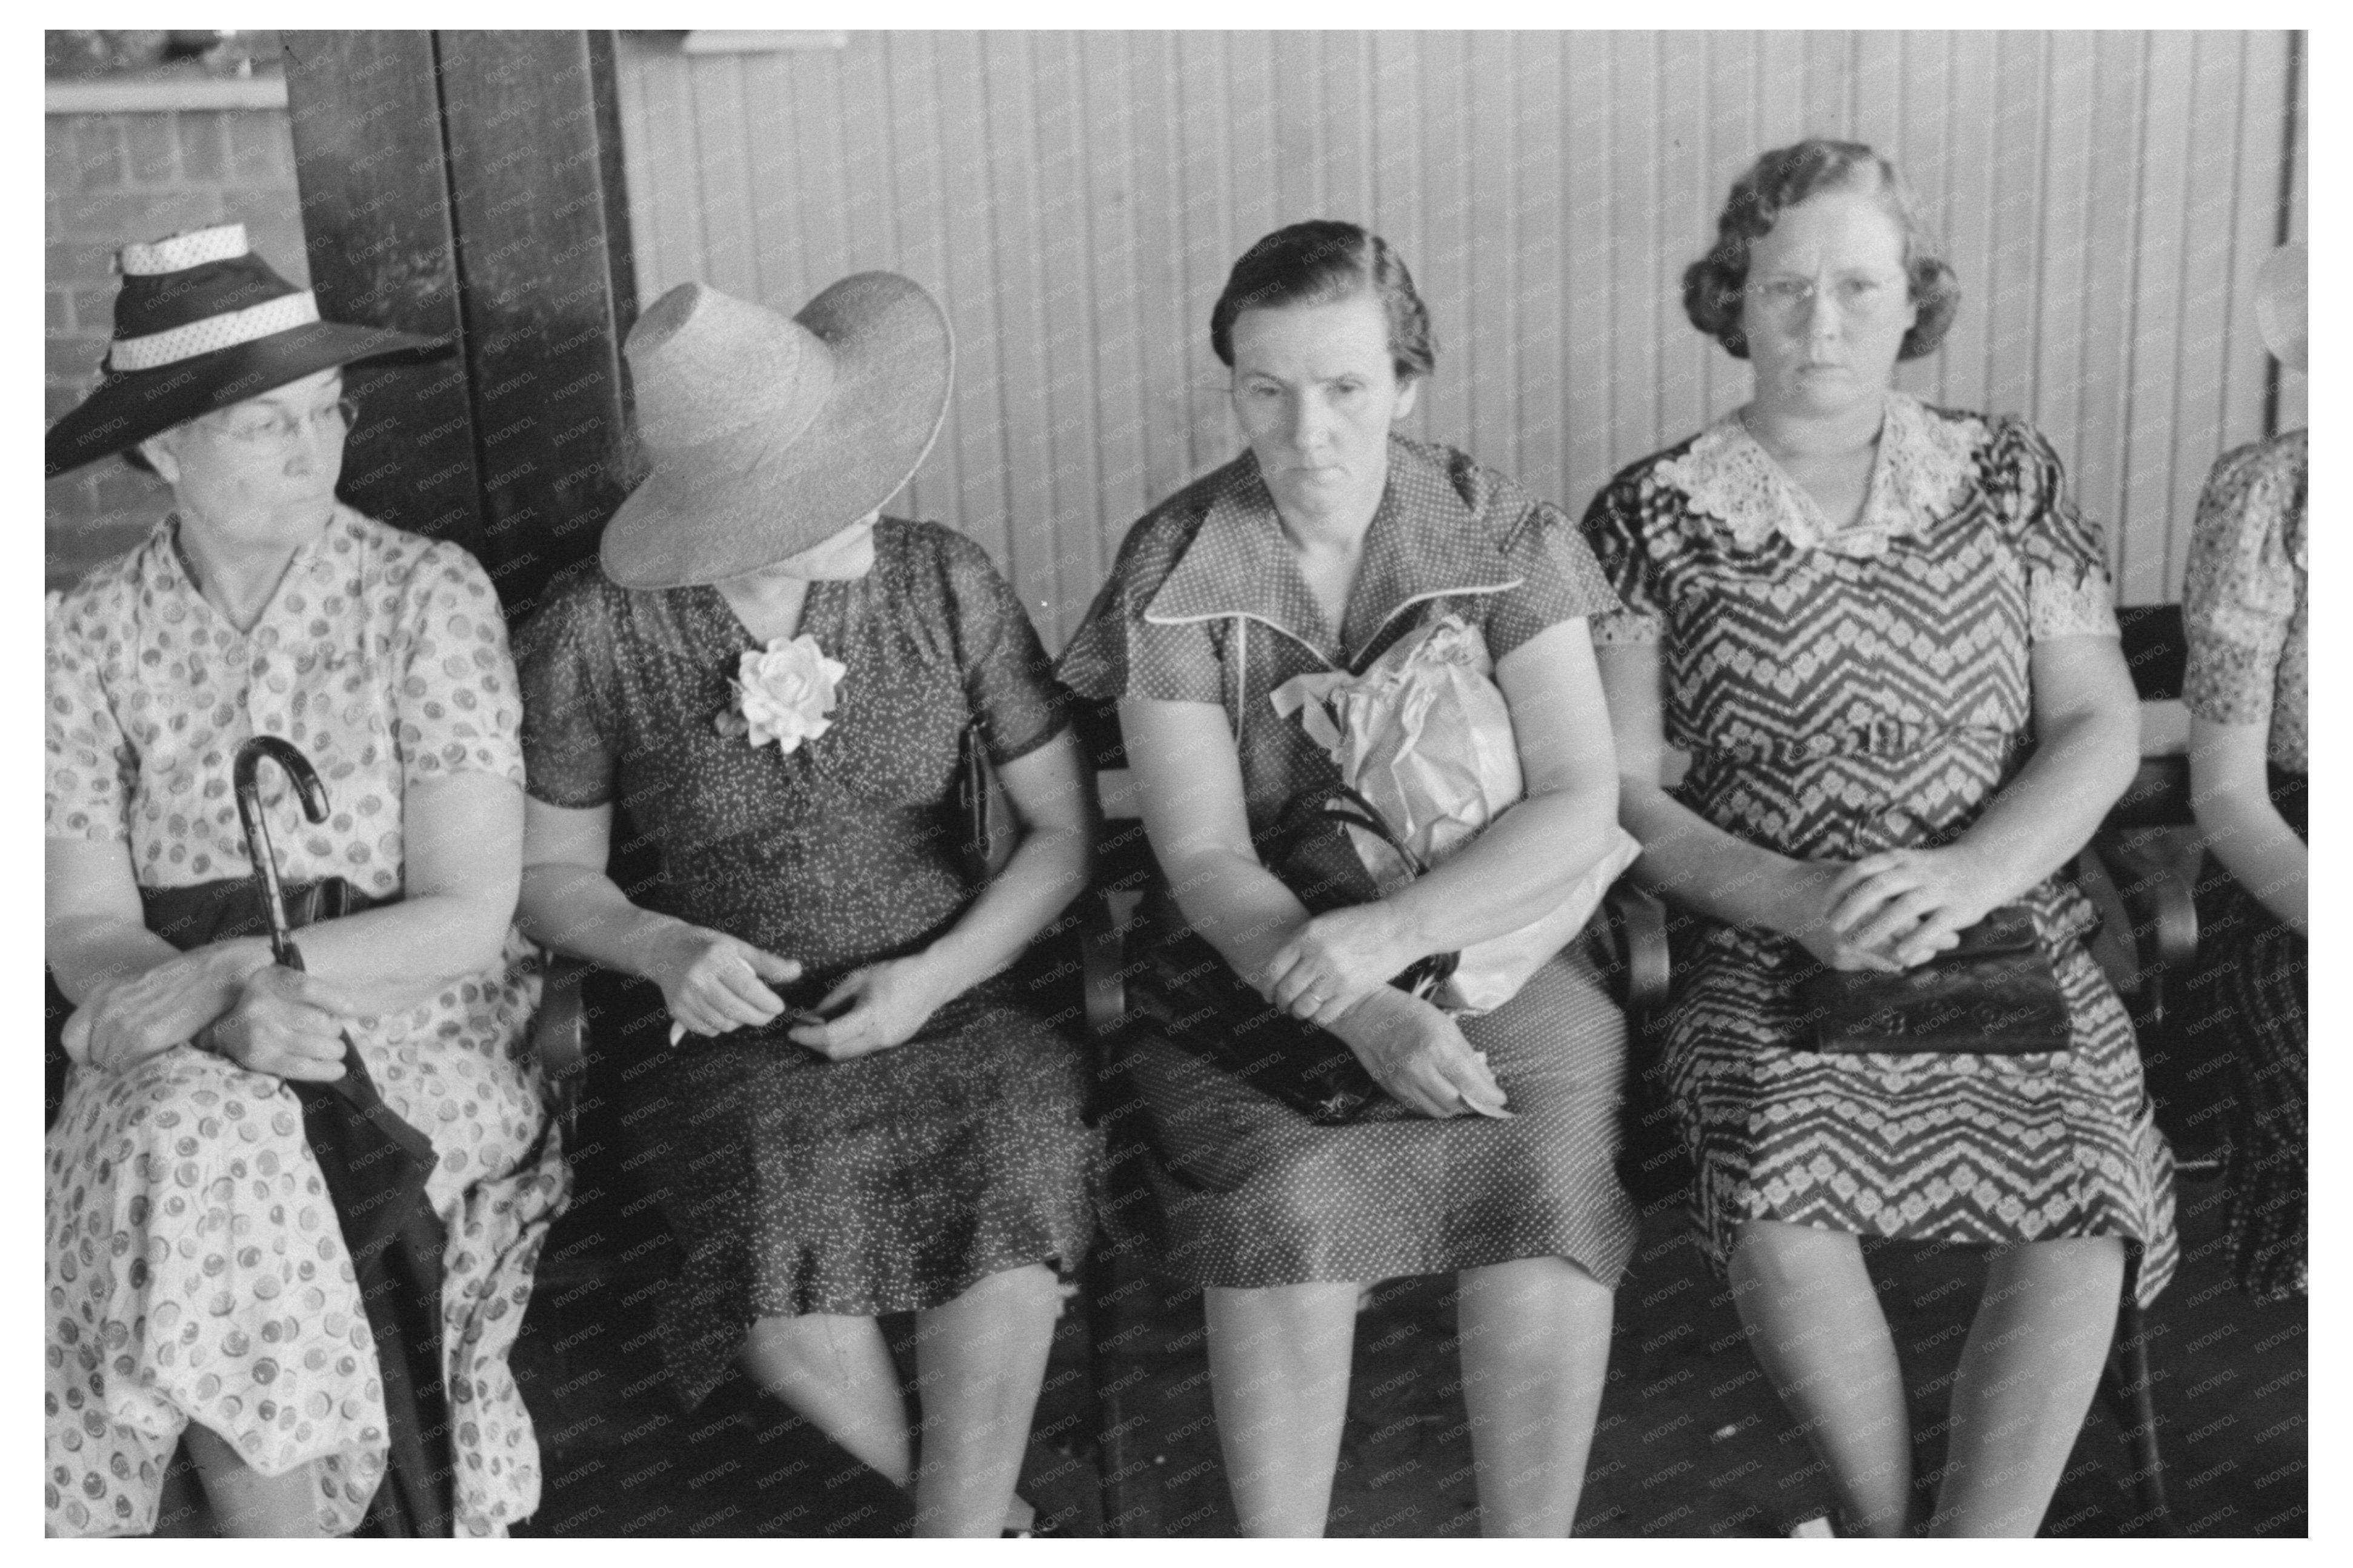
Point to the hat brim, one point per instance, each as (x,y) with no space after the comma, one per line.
(743,502)
(129,407)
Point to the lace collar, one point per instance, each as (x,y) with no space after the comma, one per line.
(1921,468)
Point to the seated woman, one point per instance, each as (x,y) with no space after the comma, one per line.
(1322,546)
(198,1282)
(2245,607)
(1856,612)
(777,681)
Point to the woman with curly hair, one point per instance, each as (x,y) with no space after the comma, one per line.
(1883,634)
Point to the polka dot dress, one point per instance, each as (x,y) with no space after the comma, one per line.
(794,1184)
(1207,605)
(195,1269)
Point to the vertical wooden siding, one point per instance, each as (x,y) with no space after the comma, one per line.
(1074,199)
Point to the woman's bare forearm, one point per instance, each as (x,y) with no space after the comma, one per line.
(1048,869)
(1700,866)
(401,954)
(1235,905)
(2081,763)
(581,911)
(2260,851)
(1513,873)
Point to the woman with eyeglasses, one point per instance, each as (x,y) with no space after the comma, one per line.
(1882,633)
(199,1284)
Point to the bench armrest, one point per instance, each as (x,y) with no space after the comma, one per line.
(1102,960)
(2153,870)
(559,1034)
(1638,923)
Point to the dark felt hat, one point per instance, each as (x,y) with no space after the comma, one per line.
(202,322)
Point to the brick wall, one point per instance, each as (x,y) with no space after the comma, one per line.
(117,178)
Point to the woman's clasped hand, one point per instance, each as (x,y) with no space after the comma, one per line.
(714,983)
(1336,960)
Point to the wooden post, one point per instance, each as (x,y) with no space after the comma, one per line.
(469,184)
(376,223)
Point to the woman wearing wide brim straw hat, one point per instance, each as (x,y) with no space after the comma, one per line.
(2246,608)
(261,606)
(858,1114)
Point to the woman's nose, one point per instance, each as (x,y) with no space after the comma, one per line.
(1822,321)
(1311,421)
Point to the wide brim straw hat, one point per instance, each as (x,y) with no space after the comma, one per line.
(767,434)
(2280,305)
(202,322)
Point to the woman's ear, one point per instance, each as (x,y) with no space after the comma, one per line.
(1406,395)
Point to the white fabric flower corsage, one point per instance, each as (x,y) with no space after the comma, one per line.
(783,693)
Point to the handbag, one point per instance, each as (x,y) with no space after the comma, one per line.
(1426,734)
(376,1165)
(985,827)
(1309,847)
(1994,993)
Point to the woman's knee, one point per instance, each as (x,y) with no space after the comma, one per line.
(2063,1270)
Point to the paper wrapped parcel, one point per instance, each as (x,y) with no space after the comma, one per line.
(1424,733)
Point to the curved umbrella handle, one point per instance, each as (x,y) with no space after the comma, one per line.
(245,774)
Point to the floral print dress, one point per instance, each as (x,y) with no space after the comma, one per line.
(1844,692)
(895,1180)
(2247,609)
(195,1271)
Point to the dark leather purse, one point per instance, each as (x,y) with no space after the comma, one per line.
(376,1165)
(1994,995)
(1307,1066)
(984,823)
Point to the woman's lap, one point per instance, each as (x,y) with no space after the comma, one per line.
(1255,1195)
(197,1271)
(891,1183)
(1960,1148)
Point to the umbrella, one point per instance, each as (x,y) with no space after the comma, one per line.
(376,1165)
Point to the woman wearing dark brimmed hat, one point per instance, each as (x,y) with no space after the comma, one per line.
(198,1281)
(859,1114)
(2246,610)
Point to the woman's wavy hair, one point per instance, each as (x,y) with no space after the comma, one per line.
(1714,286)
(1318,261)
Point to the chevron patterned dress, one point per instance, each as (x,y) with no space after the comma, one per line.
(1844,692)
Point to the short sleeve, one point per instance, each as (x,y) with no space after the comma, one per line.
(1009,679)
(1560,581)
(455,701)
(563,658)
(1117,653)
(2068,591)
(1613,537)
(89,764)
(2241,592)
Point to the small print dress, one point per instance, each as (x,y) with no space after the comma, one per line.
(1841,693)
(196,1268)
(896,1181)
(2246,608)
(1207,605)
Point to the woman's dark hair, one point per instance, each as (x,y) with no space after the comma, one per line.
(1315,263)
(1715,284)
(138,459)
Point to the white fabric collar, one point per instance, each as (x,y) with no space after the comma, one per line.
(1922,468)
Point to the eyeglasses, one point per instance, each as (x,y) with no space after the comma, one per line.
(260,430)
(1857,294)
